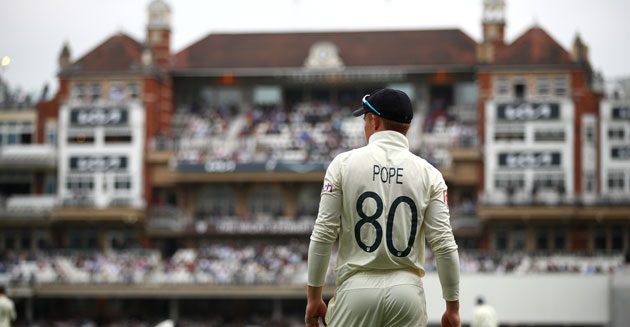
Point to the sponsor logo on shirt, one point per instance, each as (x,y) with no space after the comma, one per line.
(327,187)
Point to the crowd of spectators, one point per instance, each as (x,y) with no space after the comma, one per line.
(253,263)
(444,128)
(194,126)
(522,263)
(307,132)
(304,132)
(252,320)
(215,264)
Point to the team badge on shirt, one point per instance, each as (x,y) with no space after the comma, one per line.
(327,187)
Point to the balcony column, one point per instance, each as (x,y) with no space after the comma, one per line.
(101,238)
(290,195)
(277,310)
(531,238)
(242,193)
(28,310)
(173,309)
(38,183)
(188,201)
(191,210)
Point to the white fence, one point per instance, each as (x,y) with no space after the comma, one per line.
(549,299)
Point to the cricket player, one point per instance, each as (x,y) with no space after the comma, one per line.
(484,315)
(382,202)
(7,309)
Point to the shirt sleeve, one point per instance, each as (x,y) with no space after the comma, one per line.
(328,220)
(326,226)
(318,258)
(440,237)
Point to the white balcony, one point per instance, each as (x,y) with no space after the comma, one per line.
(27,206)
(29,156)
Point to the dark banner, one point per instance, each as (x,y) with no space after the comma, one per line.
(529,160)
(620,152)
(528,111)
(231,167)
(99,116)
(98,163)
(621,113)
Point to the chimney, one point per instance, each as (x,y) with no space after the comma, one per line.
(64,56)
(579,52)
(158,38)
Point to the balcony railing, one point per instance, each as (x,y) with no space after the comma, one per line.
(78,202)
(28,156)
(551,198)
(167,218)
(464,113)
(27,206)
(121,202)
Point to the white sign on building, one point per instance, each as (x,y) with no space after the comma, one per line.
(101,155)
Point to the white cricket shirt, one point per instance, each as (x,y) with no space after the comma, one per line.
(383,202)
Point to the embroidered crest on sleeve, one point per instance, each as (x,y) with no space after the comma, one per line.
(328,187)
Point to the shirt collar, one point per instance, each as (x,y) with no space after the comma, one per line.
(391,138)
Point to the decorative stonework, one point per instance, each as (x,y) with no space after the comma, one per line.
(159,15)
(323,55)
(494,11)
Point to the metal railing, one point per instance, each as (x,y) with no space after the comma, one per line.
(27,206)
(549,198)
(28,155)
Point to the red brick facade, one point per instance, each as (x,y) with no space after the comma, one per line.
(484,80)
(586,102)
(160,48)
(158,106)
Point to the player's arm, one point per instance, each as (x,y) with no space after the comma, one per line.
(439,234)
(12,313)
(320,248)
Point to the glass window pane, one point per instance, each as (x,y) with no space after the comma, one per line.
(267,95)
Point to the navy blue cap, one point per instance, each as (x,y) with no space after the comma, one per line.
(389,104)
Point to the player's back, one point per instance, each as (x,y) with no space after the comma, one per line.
(386,190)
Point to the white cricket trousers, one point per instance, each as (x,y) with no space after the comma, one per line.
(393,298)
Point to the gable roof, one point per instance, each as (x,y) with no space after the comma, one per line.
(367,48)
(119,53)
(534,47)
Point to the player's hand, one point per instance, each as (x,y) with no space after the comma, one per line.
(450,318)
(314,311)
